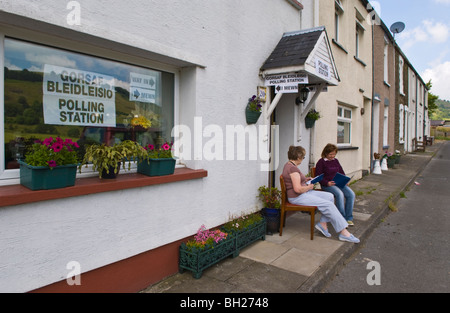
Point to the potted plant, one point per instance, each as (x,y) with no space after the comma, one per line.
(397,156)
(159,161)
(106,160)
(271,199)
(206,249)
(50,164)
(253,110)
(311,118)
(246,229)
(390,158)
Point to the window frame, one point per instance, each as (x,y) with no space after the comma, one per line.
(11,176)
(386,61)
(343,119)
(338,12)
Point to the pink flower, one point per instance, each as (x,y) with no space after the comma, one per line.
(166,146)
(57,146)
(150,147)
(47,141)
(51,163)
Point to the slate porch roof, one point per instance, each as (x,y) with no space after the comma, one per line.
(299,51)
(293,49)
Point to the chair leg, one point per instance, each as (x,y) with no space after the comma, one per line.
(282,221)
(313,213)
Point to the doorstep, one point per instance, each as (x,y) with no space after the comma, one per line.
(294,251)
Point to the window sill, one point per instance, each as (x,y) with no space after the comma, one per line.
(360,61)
(343,147)
(18,194)
(339,46)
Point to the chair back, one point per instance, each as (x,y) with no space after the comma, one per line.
(283,191)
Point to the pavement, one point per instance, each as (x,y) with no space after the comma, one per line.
(293,263)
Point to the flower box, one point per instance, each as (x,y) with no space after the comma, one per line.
(199,260)
(42,177)
(249,235)
(157,167)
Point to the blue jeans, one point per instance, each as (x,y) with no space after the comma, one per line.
(344,199)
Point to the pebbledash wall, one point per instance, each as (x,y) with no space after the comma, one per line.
(215,49)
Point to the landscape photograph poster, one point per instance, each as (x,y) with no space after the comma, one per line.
(79,98)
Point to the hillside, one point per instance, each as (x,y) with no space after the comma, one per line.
(443,110)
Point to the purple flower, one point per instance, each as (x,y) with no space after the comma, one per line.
(51,163)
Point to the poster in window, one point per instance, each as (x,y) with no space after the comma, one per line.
(80,98)
(143,88)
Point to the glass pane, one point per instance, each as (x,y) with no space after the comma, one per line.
(53,92)
(343,132)
(348,114)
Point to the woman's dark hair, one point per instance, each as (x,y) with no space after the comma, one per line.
(328,149)
(296,152)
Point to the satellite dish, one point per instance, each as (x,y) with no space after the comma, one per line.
(397,28)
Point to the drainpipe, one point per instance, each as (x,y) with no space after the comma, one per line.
(373,93)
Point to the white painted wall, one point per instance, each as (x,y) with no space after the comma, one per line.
(231,40)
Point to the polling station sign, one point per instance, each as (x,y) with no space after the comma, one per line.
(80,98)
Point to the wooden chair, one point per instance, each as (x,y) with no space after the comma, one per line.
(418,145)
(286,206)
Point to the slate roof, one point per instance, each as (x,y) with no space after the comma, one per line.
(293,49)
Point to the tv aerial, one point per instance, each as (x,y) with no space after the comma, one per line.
(397,28)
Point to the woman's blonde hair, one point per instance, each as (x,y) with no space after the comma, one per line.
(328,149)
(296,152)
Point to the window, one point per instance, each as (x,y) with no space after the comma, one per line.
(344,125)
(400,74)
(385,126)
(401,116)
(55,92)
(357,44)
(386,61)
(339,10)
(359,33)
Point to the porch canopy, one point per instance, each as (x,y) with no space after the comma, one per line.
(301,57)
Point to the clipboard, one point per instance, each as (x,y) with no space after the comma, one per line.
(315,179)
(341,180)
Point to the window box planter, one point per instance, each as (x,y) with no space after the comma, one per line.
(199,260)
(44,178)
(157,167)
(249,235)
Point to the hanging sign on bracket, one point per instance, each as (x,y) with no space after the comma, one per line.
(286,83)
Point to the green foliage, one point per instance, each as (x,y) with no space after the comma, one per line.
(442,111)
(103,157)
(242,222)
(313,114)
(270,196)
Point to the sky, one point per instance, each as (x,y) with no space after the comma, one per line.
(426,38)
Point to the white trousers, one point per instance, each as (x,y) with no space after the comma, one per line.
(325,203)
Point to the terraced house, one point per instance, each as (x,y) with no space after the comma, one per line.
(106,71)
